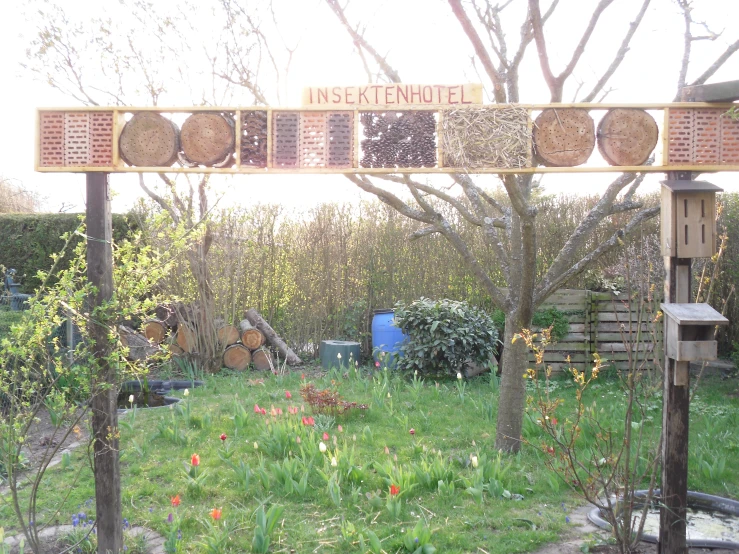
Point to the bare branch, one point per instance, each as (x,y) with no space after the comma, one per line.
(556,84)
(461,208)
(687,45)
(487,63)
(721,60)
(547,288)
(620,55)
(360,42)
(389,198)
(426,231)
(600,211)
(159,200)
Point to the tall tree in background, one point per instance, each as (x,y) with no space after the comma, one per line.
(15,199)
(509,230)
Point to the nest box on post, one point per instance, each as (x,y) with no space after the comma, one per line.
(689,335)
(689,219)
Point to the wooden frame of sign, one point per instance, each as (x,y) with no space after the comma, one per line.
(47,134)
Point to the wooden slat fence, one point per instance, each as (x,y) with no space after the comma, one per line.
(607,324)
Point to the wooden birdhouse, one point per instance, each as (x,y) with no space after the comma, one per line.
(689,331)
(688,219)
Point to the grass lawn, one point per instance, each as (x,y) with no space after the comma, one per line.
(417,436)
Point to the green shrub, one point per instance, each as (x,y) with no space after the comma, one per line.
(549,317)
(443,335)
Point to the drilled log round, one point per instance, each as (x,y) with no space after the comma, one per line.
(207,138)
(175,350)
(228,335)
(186,338)
(627,136)
(155,330)
(262,359)
(563,137)
(149,140)
(237,356)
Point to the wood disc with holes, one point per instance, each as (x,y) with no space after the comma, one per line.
(155,330)
(237,356)
(627,136)
(207,138)
(149,140)
(563,137)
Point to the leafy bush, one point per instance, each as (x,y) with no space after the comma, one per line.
(549,317)
(443,335)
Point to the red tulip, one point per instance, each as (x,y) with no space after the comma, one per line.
(264,411)
(325,436)
(377,364)
(302,376)
(223,436)
(554,421)
(195,460)
(176,500)
(412,431)
(288,395)
(394,490)
(215,513)
(257,409)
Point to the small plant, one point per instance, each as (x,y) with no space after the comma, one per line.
(394,504)
(195,477)
(327,401)
(444,335)
(217,533)
(266,523)
(461,386)
(418,540)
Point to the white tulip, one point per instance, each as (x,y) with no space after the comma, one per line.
(322,447)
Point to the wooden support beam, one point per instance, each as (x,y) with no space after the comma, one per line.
(727,91)
(105,390)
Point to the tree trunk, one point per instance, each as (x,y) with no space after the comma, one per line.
(237,356)
(512,389)
(262,360)
(272,338)
(155,330)
(228,335)
(252,337)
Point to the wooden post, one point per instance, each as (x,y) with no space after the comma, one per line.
(675,417)
(104,410)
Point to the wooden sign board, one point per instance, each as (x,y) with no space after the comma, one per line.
(395,94)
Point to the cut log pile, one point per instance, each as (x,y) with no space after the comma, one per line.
(251,342)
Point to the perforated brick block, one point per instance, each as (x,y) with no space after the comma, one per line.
(313,139)
(707,136)
(286,139)
(702,136)
(51,136)
(341,139)
(254,138)
(729,141)
(101,139)
(76,138)
(680,136)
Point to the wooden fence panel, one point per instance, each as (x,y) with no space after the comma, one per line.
(602,323)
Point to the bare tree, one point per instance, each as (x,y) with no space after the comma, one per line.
(16,199)
(509,230)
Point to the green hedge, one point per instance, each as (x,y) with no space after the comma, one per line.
(28,240)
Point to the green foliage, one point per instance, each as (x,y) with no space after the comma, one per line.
(443,335)
(29,240)
(548,317)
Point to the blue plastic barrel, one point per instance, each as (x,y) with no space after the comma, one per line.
(386,337)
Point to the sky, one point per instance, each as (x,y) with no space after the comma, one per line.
(421,39)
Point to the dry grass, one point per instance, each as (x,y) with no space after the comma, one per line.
(486,137)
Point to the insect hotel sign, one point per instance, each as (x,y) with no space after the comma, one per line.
(396,128)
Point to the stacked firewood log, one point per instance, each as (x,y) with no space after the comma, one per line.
(250,342)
